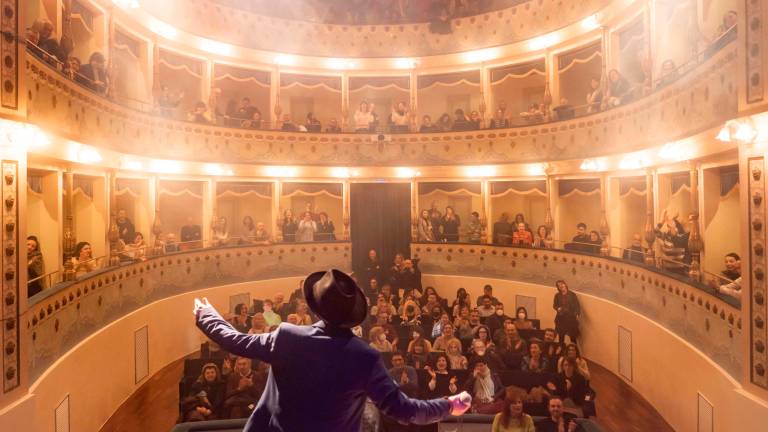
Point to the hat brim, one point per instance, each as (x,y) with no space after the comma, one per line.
(356,316)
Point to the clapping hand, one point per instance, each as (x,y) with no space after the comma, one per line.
(572,426)
(460,403)
(200,305)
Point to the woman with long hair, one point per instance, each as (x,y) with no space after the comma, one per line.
(325,228)
(425,227)
(451,223)
(456,359)
(542,239)
(35,266)
(572,352)
(512,418)
(82,260)
(378,338)
(247,230)
(289,226)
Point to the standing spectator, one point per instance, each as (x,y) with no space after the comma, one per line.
(400,118)
(674,244)
(125,227)
(220,232)
(635,252)
(566,304)
(498,121)
(486,308)
(512,418)
(289,226)
(245,112)
(242,393)
(619,90)
(543,239)
(451,223)
(425,227)
(486,389)
(475,121)
(496,321)
(247,230)
(363,117)
(200,114)
(190,232)
(94,74)
(444,123)
(558,421)
(427,125)
(437,223)
(522,237)
(35,266)
(461,122)
(594,97)
(475,228)
(502,230)
(595,243)
(373,268)
(167,102)
(325,228)
(313,124)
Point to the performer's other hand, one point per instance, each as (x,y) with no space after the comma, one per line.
(460,403)
(200,304)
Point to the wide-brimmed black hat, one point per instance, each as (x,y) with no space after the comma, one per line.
(336,298)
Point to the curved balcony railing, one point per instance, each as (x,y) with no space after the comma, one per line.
(704,98)
(690,310)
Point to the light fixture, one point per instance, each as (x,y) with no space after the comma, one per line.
(543,42)
(280,171)
(88,155)
(725,134)
(589,165)
(745,132)
(217,170)
(165,166)
(537,169)
(163,29)
(632,162)
(285,60)
(480,171)
(126,4)
(480,56)
(674,151)
(29,136)
(342,172)
(405,63)
(215,47)
(339,64)
(742,130)
(403,172)
(132,165)
(590,23)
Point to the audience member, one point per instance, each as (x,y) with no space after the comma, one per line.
(302,313)
(288,125)
(325,228)
(313,124)
(535,361)
(619,90)
(451,223)
(190,232)
(566,304)
(456,360)
(635,252)
(125,227)
(83,261)
(461,122)
(289,226)
(219,231)
(205,400)
(425,227)
(200,114)
(486,307)
(241,321)
(243,389)
(496,321)
(481,351)
(35,266)
(594,244)
(509,345)
(427,125)
(258,324)
(558,421)
(572,352)
(543,239)
(333,126)
(595,96)
(363,118)
(564,111)
(669,74)
(270,316)
(444,123)
(446,337)
(512,418)
(569,384)
(732,273)
(378,339)
(522,237)
(488,291)
(499,121)
(502,230)
(674,244)
(400,118)
(94,74)
(475,230)
(418,339)
(521,321)
(167,102)
(170,245)
(439,384)
(485,387)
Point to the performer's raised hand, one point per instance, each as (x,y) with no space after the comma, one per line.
(200,304)
(460,403)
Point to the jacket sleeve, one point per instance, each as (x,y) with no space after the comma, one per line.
(386,395)
(220,331)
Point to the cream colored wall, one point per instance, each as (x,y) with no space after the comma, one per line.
(574,82)
(463,204)
(436,100)
(91,218)
(720,234)
(518,93)
(574,209)
(172,335)
(42,216)
(236,208)
(533,207)
(326,104)
(234,90)
(672,20)
(130,79)
(631,220)
(174,211)
(711,15)
(667,371)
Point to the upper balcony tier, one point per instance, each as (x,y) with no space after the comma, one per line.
(700,100)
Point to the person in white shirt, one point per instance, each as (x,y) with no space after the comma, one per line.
(307,229)
(364,117)
(400,118)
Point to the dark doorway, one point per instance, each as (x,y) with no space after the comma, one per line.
(380,218)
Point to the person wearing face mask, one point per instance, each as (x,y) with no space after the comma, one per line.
(495,322)
(521,319)
(480,352)
(378,338)
(417,338)
(486,389)
(270,316)
(447,336)
(440,323)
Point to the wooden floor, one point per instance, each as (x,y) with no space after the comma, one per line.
(154,406)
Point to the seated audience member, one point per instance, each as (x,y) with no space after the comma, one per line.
(444,123)
(635,252)
(595,96)
(669,74)
(72,67)
(170,245)
(510,346)
(400,118)
(383,321)
(427,125)
(581,239)
(83,261)
(496,321)
(543,239)
(35,266)
(498,121)
(552,349)
(674,244)
(558,421)
(482,350)
(220,231)
(258,324)
(378,339)
(94,74)
(466,323)
(247,230)
(313,124)
(475,120)
(595,243)
(333,126)
(486,308)
(245,112)
(475,230)
(269,314)
(190,232)
(288,125)
(535,114)
(572,352)
(261,235)
(382,305)
(502,230)
(567,308)
(200,114)
(456,360)
(307,229)
(447,336)
(241,321)
(521,319)
(419,356)
(619,90)
(569,384)
(732,286)
(522,237)
(125,227)
(205,398)
(730,20)
(461,122)
(461,300)
(485,387)
(512,418)
(293,319)
(410,313)
(732,266)
(404,375)
(302,313)
(244,389)
(137,249)
(534,361)
(363,117)
(487,291)
(438,325)
(440,387)
(564,111)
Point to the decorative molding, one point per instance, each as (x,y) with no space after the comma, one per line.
(758,334)
(755,41)
(9,53)
(10,275)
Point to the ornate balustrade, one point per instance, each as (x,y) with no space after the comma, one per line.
(702,99)
(521,22)
(68,313)
(710,323)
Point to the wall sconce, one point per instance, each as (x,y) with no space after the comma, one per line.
(743,131)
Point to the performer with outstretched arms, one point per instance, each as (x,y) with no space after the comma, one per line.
(321,374)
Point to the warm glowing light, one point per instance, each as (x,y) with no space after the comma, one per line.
(215,47)
(725,134)
(674,151)
(280,171)
(341,172)
(745,132)
(165,166)
(405,63)
(126,4)
(589,165)
(29,136)
(285,60)
(537,169)
(133,165)
(88,155)
(217,170)
(339,64)
(590,23)
(163,29)
(480,171)
(543,42)
(403,172)
(632,163)
(480,56)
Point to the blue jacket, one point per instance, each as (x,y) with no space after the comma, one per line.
(319,379)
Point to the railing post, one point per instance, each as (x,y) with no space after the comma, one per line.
(277,187)
(157,225)
(605,232)
(346,209)
(414,210)
(649,231)
(69,227)
(113,234)
(695,244)
(485,214)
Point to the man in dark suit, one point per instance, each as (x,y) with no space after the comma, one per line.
(321,374)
